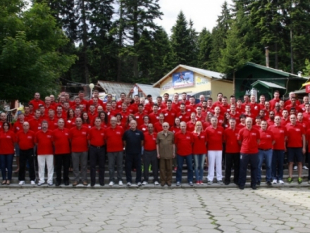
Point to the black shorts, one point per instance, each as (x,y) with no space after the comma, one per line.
(294,152)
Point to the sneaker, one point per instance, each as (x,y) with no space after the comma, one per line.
(128,184)
(305,168)
(50,184)
(32,182)
(178,183)
(289,180)
(197,182)
(299,180)
(295,167)
(144,183)
(120,182)
(156,183)
(201,182)
(268,183)
(258,183)
(274,181)
(21,182)
(220,182)
(40,183)
(281,182)
(209,182)
(111,183)
(190,183)
(139,184)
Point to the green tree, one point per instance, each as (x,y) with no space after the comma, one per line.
(181,43)
(204,48)
(29,58)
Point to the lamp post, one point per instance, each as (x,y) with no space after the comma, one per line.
(91,86)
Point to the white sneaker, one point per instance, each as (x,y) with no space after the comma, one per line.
(120,182)
(32,182)
(128,184)
(139,183)
(295,168)
(156,183)
(50,184)
(281,182)
(22,182)
(144,183)
(305,167)
(40,183)
(274,181)
(111,183)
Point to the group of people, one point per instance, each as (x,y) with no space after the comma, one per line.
(161,134)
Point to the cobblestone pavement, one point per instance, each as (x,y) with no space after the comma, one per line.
(155,210)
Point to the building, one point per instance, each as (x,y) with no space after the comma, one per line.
(194,81)
(265,80)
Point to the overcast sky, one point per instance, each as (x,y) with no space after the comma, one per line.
(203,13)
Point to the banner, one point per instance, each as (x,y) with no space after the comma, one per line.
(183,79)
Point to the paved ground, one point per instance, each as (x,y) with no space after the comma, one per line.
(209,210)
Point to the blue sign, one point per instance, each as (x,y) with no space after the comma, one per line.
(183,79)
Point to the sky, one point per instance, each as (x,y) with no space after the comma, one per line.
(203,13)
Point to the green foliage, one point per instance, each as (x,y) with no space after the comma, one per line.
(29,60)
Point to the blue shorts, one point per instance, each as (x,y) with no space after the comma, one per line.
(294,152)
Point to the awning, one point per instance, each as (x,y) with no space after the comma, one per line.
(267,85)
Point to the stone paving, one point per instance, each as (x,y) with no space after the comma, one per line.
(209,210)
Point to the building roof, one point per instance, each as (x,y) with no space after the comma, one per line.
(149,89)
(115,87)
(207,73)
(267,84)
(280,72)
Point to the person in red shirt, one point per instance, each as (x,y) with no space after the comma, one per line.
(96,141)
(157,127)
(154,116)
(161,106)
(183,142)
(296,147)
(249,139)
(199,151)
(232,152)
(35,123)
(170,113)
(214,135)
(176,103)
(36,102)
(43,139)
(26,141)
(70,120)
(48,105)
(140,114)
(176,128)
(275,100)
(184,99)
(60,113)
(7,141)
(279,135)
(219,100)
(285,119)
(52,121)
(200,116)
(183,115)
(190,125)
(270,121)
(219,115)
(150,155)
(293,104)
(149,106)
(306,113)
(292,96)
(60,138)
(114,142)
(265,153)
(79,148)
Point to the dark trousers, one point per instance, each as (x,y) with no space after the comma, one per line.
(96,156)
(62,161)
(116,157)
(133,159)
(245,159)
(26,155)
(150,157)
(277,164)
(6,162)
(232,160)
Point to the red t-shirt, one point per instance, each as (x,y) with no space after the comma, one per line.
(7,140)
(170,115)
(78,139)
(35,125)
(150,141)
(266,139)
(306,116)
(70,123)
(44,142)
(248,140)
(26,140)
(154,117)
(158,127)
(52,123)
(61,141)
(184,142)
(294,135)
(199,144)
(114,139)
(184,116)
(231,140)
(175,129)
(279,134)
(215,137)
(139,117)
(190,126)
(18,126)
(96,136)
(36,103)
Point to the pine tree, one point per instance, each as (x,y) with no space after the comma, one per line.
(204,48)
